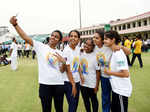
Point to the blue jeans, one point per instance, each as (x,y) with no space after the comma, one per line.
(106,94)
(72,101)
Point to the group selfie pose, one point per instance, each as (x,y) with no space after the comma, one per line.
(81,70)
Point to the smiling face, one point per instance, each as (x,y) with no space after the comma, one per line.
(88,46)
(108,42)
(74,38)
(54,39)
(97,39)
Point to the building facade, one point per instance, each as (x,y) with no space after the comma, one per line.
(129,26)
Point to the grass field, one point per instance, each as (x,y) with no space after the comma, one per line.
(19,89)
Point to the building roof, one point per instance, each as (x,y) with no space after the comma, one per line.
(130,19)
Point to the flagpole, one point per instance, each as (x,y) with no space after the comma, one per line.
(80,13)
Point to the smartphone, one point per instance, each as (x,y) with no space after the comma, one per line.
(16,14)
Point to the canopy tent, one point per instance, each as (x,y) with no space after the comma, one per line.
(7,37)
(40,38)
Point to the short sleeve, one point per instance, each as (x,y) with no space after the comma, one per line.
(37,45)
(66,55)
(121,61)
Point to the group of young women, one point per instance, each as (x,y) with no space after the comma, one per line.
(72,70)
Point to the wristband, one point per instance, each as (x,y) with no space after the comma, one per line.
(15,24)
(64,63)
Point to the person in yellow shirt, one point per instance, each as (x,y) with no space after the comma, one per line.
(127,44)
(137,51)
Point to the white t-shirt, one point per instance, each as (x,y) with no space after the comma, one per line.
(103,56)
(120,85)
(72,58)
(19,47)
(89,65)
(48,64)
(14,49)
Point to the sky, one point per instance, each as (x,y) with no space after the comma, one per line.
(44,16)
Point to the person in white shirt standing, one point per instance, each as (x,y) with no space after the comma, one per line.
(103,54)
(72,77)
(119,73)
(19,49)
(51,83)
(13,54)
(91,75)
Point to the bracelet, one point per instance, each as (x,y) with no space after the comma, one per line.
(63,63)
(15,24)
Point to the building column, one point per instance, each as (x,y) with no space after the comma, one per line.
(142,22)
(148,21)
(136,24)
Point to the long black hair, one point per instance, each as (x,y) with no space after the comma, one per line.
(100,33)
(60,34)
(113,34)
(78,33)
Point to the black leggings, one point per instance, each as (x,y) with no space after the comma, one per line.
(139,58)
(89,97)
(119,103)
(47,92)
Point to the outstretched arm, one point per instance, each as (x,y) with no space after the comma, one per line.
(22,34)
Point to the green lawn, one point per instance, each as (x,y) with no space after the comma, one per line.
(19,89)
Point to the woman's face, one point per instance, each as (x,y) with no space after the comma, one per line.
(74,39)
(108,42)
(97,39)
(54,39)
(88,46)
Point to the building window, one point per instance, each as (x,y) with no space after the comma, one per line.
(115,28)
(128,26)
(139,24)
(80,33)
(124,27)
(119,27)
(133,24)
(145,22)
(86,33)
(92,31)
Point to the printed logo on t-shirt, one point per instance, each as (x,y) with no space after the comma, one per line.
(84,66)
(121,63)
(52,60)
(75,64)
(102,60)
